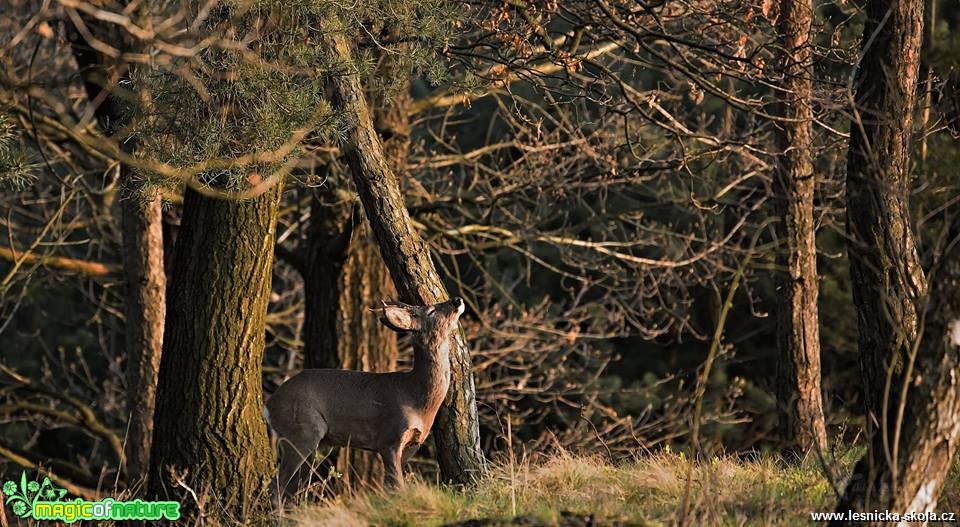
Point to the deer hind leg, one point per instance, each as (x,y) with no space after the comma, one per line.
(296,448)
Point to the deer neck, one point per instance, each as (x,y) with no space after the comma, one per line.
(431,373)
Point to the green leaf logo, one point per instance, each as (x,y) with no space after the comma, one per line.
(24,496)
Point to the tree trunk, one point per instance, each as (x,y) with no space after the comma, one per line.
(328,240)
(912,405)
(346,279)
(456,430)
(887,279)
(369,345)
(798,335)
(142,248)
(145,304)
(920,456)
(210,432)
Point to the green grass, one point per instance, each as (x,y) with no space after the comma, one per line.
(647,491)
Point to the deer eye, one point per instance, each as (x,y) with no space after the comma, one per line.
(430,312)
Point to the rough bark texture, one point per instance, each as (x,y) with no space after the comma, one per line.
(209,419)
(885,268)
(932,414)
(911,479)
(798,388)
(143,271)
(144,309)
(908,457)
(456,429)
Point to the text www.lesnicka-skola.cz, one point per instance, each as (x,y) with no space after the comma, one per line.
(883,516)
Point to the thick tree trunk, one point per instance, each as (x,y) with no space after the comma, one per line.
(798,335)
(905,472)
(143,271)
(910,386)
(210,432)
(325,255)
(456,430)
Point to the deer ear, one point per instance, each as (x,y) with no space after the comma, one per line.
(398,319)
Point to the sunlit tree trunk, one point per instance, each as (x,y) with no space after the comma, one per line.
(144,310)
(210,432)
(911,387)
(798,335)
(142,248)
(456,429)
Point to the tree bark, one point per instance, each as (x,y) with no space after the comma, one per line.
(906,474)
(798,334)
(344,278)
(210,432)
(887,278)
(369,345)
(456,429)
(328,240)
(144,310)
(910,387)
(142,248)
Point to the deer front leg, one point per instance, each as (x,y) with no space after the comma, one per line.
(392,465)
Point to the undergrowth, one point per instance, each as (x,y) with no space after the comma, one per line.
(650,490)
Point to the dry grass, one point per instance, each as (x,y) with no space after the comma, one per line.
(647,491)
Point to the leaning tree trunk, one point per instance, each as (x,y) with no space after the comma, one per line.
(142,247)
(368,345)
(909,448)
(456,429)
(210,432)
(343,279)
(798,334)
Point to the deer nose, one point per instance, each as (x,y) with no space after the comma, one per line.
(457,301)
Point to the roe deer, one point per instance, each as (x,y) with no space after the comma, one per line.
(387,413)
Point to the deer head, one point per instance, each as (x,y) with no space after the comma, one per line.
(427,323)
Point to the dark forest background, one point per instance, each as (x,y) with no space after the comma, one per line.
(593,178)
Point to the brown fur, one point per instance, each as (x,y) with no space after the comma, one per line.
(387,413)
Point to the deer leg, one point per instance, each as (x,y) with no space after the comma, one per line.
(392,465)
(410,448)
(295,449)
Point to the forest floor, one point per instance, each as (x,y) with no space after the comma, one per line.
(570,491)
